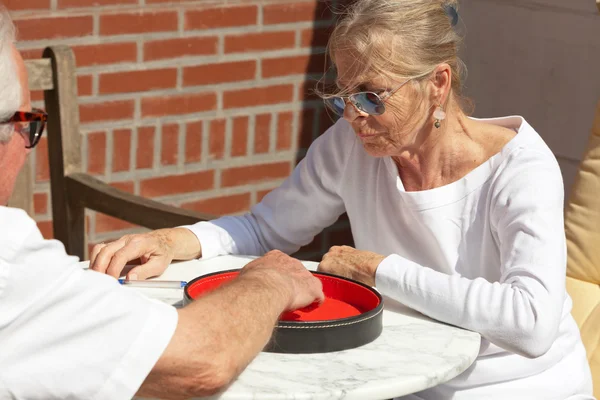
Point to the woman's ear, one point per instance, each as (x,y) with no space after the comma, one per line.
(441,80)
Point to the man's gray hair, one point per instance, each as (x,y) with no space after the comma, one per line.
(10,87)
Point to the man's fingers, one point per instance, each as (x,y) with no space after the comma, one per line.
(105,254)
(320,296)
(154,267)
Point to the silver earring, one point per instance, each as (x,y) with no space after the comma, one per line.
(439,114)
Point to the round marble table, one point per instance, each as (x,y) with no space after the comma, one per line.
(413,353)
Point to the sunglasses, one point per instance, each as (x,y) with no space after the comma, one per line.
(29,124)
(367,102)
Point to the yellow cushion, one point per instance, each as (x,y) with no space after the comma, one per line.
(586,311)
(582,218)
(590,335)
(582,228)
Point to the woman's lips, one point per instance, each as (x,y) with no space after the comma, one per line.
(366,135)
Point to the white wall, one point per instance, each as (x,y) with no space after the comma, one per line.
(539,59)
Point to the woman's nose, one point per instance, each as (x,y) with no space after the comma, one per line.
(351,112)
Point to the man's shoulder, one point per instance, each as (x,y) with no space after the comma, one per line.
(17,230)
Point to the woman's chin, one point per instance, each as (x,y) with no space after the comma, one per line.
(375,149)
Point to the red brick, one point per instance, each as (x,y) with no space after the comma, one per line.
(216,140)
(46,28)
(138,81)
(37,95)
(96,153)
(170,145)
(46,228)
(315,37)
(163,1)
(42,171)
(121,154)
(173,48)
(193,142)
(263,41)
(180,104)
(126,186)
(145,147)
(31,54)
(305,129)
(285,122)
(106,53)
(40,203)
(219,73)
(138,22)
(14,5)
(221,17)
(84,85)
(195,182)
(109,111)
(282,66)
(296,12)
(258,96)
(240,137)
(92,3)
(254,174)
(262,133)
(222,205)
(105,223)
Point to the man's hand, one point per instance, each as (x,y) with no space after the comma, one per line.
(288,276)
(204,358)
(156,250)
(348,262)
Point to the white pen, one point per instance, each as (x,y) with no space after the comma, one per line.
(154,284)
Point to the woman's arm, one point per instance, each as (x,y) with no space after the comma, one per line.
(291,215)
(521,312)
(286,219)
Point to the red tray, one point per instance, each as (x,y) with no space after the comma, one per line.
(350,316)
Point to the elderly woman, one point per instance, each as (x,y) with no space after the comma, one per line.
(456,217)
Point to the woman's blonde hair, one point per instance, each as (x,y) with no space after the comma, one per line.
(399,39)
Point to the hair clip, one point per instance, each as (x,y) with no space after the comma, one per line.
(452,13)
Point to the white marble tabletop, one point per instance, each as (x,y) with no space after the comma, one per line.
(413,353)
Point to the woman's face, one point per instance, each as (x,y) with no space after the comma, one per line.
(406,111)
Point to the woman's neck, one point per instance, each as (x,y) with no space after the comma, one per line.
(440,155)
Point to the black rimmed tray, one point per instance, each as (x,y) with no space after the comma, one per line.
(350,316)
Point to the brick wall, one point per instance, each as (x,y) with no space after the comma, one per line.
(200,104)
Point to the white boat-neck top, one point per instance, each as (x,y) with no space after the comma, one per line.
(486,253)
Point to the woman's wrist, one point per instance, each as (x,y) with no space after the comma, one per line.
(183,242)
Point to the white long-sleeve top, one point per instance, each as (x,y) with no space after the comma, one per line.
(486,253)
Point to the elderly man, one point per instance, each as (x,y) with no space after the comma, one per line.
(70,333)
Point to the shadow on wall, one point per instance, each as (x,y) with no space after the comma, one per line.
(315,120)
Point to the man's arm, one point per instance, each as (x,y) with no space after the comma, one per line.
(218,335)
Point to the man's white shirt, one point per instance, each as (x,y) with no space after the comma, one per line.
(66,332)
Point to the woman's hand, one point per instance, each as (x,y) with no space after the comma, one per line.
(155,249)
(355,264)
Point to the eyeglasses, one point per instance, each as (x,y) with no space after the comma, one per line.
(368,102)
(29,124)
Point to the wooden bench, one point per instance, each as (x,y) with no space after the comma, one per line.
(72,191)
